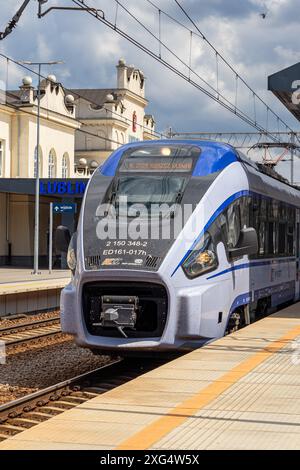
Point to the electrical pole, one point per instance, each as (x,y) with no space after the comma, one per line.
(292,156)
(37,166)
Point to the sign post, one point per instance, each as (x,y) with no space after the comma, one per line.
(57,208)
(64,208)
(50,236)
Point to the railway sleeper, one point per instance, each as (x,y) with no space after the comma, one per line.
(85,393)
(53,410)
(72,399)
(97,389)
(24,422)
(11,428)
(39,415)
(63,404)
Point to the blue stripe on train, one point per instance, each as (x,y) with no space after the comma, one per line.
(251,264)
(220,209)
(279,293)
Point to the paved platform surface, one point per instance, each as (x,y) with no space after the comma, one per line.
(239,392)
(13,280)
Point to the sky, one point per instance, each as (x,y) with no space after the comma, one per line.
(254,46)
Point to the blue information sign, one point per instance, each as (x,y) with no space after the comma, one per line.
(63,208)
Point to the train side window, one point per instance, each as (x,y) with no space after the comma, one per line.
(282,238)
(290,240)
(271,238)
(275,209)
(263,209)
(262,238)
(232,220)
(262,232)
(254,213)
(244,204)
(234,224)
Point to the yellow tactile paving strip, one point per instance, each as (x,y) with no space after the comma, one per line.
(32,286)
(239,392)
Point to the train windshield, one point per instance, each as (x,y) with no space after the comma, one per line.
(150,191)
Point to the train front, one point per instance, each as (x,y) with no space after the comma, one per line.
(130,237)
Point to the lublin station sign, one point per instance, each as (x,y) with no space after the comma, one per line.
(51,187)
(71,187)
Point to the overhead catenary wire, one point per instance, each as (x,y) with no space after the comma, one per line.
(255,95)
(211,94)
(218,54)
(190,53)
(161,43)
(200,35)
(155,56)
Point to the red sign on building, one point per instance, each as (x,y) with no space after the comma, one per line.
(134,121)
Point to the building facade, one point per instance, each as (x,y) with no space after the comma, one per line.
(18,131)
(78,129)
(111,117)
(18,163)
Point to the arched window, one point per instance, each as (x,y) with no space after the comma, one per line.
(65,166)
(116,137)
(40,162)
(123,137)
(52,164)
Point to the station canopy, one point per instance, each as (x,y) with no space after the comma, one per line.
(283,84)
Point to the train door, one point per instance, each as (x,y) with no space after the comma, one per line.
(297,248)
(235,270)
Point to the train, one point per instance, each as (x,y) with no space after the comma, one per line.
(179,242)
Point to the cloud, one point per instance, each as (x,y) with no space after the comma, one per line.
(256,47)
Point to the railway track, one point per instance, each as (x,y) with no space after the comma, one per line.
(28,411)
(27,331)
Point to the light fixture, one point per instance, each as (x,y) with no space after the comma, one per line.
(166,151)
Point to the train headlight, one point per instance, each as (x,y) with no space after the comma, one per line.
(202,258)
(71,255)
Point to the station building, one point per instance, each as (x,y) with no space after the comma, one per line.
(78,130)
(111,117)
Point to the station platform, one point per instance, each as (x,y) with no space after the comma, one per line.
(239,392)
(23,292)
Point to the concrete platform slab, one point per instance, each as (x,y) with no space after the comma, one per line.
(240,392)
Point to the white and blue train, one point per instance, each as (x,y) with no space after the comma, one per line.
(235,258)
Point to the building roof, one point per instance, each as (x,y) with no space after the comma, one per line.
(282,86)
(13,97)
(95,95)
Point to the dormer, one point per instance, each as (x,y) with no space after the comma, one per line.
(130,78)
(54,98)
(149,121)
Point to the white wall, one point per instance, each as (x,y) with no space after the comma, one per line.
(5,136)
(52,136)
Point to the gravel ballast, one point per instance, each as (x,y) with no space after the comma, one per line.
(35,369)
(18,321)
